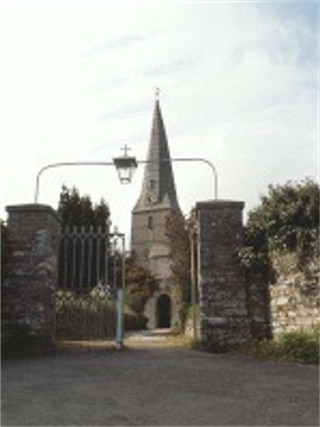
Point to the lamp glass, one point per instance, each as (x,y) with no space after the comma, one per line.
(125,166)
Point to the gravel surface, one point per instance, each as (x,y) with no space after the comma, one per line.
(146,385)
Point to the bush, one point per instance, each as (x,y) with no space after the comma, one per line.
(18,341)
(85,316)
(287,220)
(184,313)
(91,316)
(140,285)
(134,321)
(300,346)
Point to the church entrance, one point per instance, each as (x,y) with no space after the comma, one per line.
(163,311)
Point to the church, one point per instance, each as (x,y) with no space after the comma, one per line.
(149,243)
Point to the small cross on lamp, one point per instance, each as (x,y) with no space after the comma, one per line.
(125,165)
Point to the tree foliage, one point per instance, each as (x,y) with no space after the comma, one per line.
(78,210)
(178,232)
(140,285)
(287,219)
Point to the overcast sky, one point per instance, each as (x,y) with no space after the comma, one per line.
(238,86)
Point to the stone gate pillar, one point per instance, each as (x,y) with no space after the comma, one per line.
(222,299)
(28,290)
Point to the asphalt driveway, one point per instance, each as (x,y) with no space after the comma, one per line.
(153,385)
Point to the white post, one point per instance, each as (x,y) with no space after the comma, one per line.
(120,301)
(119,331)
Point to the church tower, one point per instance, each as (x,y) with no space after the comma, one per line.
(157,200)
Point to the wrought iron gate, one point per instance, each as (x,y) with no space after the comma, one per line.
(91,280)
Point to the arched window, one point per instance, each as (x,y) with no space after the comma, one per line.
(150,222)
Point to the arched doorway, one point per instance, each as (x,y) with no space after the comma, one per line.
(163,311)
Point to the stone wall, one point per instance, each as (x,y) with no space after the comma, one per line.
(149,240)
(258,305)
(28,290)
(192,324)
(223,312)
(295,296)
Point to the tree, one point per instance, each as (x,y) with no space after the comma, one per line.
(140,285)
(178,232)
(287,219)
(78,210)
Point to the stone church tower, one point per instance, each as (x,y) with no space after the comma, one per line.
(157,200)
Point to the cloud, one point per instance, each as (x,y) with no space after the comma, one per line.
(238,86)
(126,41)
(175,66)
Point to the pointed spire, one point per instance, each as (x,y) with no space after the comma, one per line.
(158,187)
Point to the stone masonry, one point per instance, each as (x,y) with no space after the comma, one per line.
(223,314)
(294,297)
(157,200)
(28,291)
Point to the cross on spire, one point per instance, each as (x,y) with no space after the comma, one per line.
(157,93)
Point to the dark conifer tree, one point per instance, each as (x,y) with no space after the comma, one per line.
(84,248)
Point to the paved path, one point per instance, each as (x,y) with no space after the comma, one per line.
(156,385)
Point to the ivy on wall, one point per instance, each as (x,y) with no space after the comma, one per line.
(287,220)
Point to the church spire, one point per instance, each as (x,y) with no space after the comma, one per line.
(157,93)
(158,189)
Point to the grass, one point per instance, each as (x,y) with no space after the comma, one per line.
(300,346)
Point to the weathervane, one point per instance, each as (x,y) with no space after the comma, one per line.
(157,93)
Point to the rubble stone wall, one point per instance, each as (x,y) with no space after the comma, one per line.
(223,312)
(295,296)
(258,305)
(28,290)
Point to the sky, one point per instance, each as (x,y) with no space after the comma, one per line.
(238,83)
